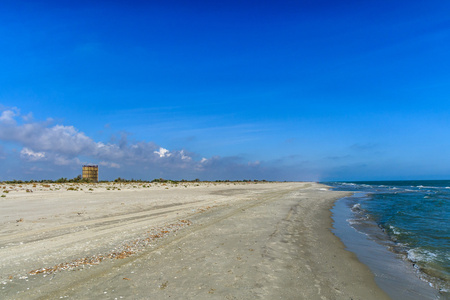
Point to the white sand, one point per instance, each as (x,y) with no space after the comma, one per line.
(185,241)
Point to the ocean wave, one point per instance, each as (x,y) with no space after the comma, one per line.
(356,207)
(394,230)
(353,221)
(413,218)
(421,255)
(357,224)
(428,187)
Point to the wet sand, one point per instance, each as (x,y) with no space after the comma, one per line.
(185,241)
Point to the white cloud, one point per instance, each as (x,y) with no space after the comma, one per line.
(64,145)
(62,160)
(30,155)
(67,147)
(163,152)
(109,164)
(62,139)
(184,156)
(7,116)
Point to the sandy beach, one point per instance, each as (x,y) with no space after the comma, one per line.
(175,241)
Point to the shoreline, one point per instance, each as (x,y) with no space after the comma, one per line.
(393,273)
(265,240)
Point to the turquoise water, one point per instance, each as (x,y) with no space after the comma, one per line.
(415,217)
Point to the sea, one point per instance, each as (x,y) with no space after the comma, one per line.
(406,233)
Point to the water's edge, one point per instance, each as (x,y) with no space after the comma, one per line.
(394,275)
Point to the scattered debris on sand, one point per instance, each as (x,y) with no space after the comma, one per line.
(123,251)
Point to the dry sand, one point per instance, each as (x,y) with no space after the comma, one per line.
(185,241)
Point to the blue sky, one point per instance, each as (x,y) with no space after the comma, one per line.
(276,90)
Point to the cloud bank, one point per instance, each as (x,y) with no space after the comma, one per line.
(45,145)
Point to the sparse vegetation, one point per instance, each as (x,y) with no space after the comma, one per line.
(145,183)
